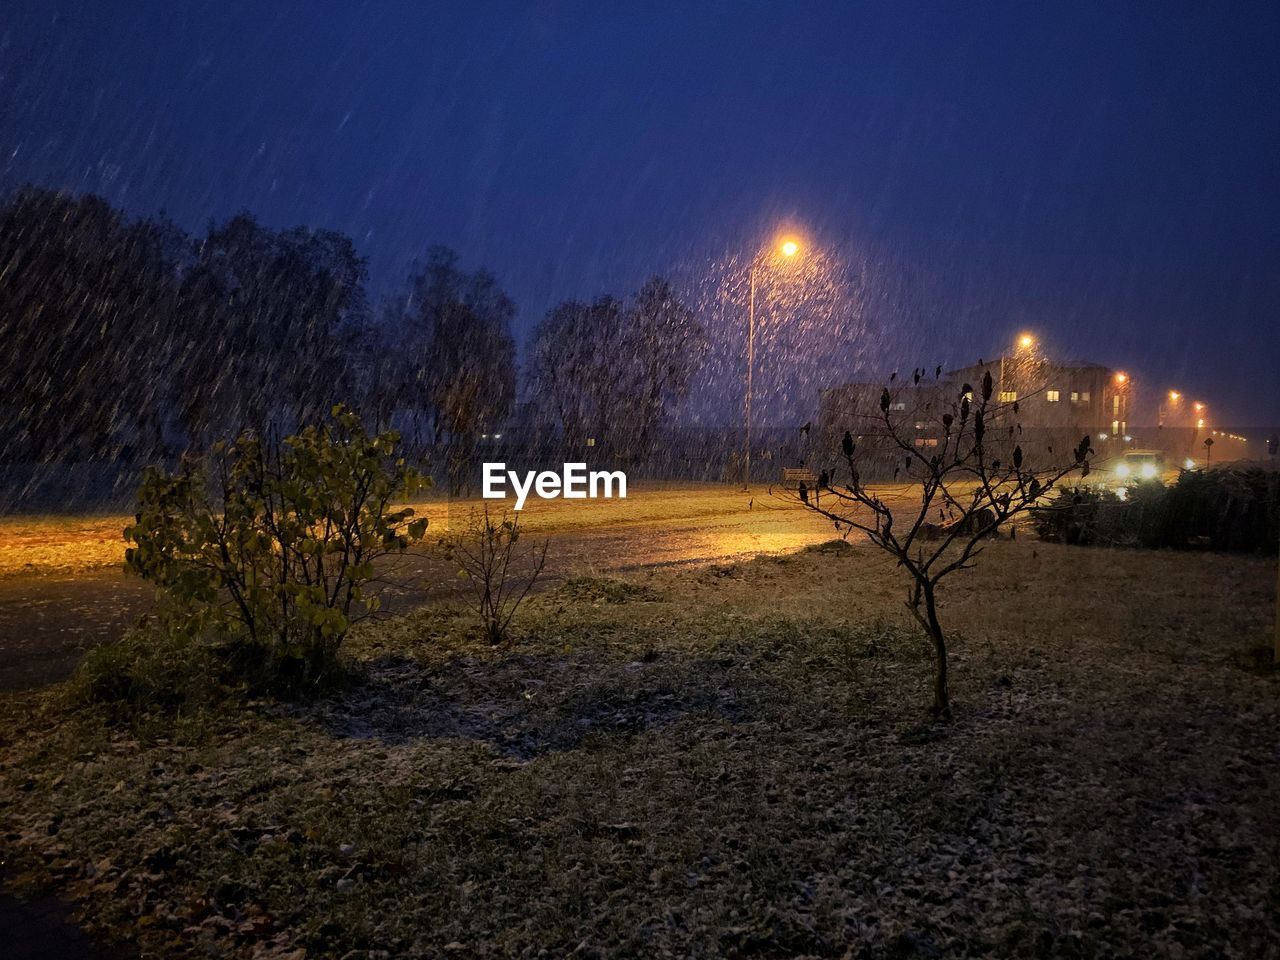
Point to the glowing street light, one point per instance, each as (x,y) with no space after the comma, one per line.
(789,248)
(1122,378)
(1168,407)
(1021,358)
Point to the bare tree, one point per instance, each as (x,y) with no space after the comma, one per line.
(969,476)
(468,363)
(615,371)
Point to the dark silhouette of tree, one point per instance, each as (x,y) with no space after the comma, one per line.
(379,354)
(970,483)
(614,371)
(665,346)
(265,315)
(577,367)
(86,306)
(456,355)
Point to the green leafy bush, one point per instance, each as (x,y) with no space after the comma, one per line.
(269,546)
(1236,510)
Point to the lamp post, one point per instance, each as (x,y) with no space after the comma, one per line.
(1120,393)
(1025,345)
(788,248)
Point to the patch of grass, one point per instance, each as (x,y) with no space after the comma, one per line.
(605,590)
(837,547)
(735,766)
(150,669)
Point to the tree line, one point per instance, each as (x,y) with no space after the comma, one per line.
(128,339)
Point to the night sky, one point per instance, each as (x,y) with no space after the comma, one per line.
(1104,174)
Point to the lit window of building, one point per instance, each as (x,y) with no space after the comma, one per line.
(1008,396)
(1052,396)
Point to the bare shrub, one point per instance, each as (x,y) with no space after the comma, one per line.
(499,572)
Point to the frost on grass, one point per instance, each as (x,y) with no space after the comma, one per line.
(525,705)
(739,769)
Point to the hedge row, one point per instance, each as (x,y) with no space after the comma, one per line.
(1210,509)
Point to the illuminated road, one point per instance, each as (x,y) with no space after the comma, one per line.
(48,619)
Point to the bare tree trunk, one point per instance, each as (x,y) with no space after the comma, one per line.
(941,709)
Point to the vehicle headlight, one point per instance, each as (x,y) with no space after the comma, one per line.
(1189,463)
(1123,470)
(1148,470)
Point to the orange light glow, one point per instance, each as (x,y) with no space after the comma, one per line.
(1122,378)
(789,248)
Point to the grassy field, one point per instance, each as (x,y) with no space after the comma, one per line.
(723,762)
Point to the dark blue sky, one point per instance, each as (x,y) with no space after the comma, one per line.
(1105,174)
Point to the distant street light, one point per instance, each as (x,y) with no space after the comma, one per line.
(1026,341)
(788,247)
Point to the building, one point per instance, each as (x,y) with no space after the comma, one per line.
(1044,405)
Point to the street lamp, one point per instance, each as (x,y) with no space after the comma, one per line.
(788,248)
(1023,352)
(1119,398)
